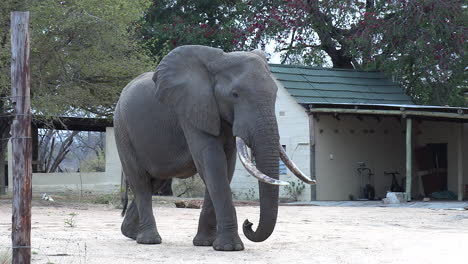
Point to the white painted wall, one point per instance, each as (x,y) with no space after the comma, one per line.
(341,144)
(108,181)
(293,124)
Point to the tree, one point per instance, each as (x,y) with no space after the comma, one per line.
(421,43)
(83,52)
(54,145)
(171,23)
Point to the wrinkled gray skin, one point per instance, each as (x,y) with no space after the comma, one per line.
(182,119)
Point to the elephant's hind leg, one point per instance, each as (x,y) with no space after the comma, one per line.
(147,231)
(130,224)
(140,213)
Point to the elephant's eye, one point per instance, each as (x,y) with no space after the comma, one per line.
(235,94)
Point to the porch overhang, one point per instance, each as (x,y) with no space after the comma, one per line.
(441,113)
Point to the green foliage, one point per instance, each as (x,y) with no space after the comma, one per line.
(250,194)
(94,163)
(189,187)
(109,199)
(83,52)
(214,23)
(420,43)
(294,189)
(70,221)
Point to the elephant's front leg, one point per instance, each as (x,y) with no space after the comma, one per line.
(213,165)
(206,233)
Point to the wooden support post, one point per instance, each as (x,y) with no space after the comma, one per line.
(460,163)
(21,138)
(313,187)
(409,160)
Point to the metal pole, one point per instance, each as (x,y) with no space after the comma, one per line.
(21,138)
(409,126)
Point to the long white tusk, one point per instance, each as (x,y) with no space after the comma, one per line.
(293,168)
(250,167)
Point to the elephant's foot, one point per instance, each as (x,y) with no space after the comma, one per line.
(204,239)
(228,242)
(150,236)
(129,226)
(130,231)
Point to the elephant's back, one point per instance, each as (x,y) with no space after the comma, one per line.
(151,127)
(138,107)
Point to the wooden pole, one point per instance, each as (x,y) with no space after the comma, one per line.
(460,162)
(313,187)
(409,160)
(21,138)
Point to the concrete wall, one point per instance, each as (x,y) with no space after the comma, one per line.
(341,144)
(76,182)
(293,124)
(108,181)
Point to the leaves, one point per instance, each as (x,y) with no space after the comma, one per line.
(170,23)
(83,52)
(420,43)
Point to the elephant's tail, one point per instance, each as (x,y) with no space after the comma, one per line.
(124,193)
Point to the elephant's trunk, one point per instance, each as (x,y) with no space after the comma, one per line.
(265,148)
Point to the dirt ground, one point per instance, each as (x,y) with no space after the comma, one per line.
(70,232)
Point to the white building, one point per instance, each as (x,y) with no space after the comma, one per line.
(331,123)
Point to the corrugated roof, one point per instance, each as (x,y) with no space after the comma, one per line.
(310,85)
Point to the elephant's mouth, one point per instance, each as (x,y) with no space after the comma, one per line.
(252,169)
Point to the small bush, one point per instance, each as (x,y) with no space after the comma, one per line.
(70,222)
(294,190)
(112,199)
(251,194)
(188,188)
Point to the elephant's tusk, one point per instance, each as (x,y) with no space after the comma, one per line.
(250,167)
(293,168)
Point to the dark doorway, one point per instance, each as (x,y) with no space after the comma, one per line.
(432,164)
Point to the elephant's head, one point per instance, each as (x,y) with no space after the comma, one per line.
(207,86)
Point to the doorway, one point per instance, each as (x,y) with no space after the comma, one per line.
(432,166)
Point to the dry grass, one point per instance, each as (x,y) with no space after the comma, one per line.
(5,256)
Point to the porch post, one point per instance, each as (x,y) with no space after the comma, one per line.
(460,162)
(408,158)
(313,187)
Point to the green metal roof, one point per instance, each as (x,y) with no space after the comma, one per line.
(310,85)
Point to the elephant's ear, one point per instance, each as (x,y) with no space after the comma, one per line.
(184,82)
(260,53)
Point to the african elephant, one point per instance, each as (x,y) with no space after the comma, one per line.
(189,116)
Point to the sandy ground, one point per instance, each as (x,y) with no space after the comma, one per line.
(304,234)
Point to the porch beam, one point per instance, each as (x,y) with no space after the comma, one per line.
(409,125)
(460,162)
(403,112)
